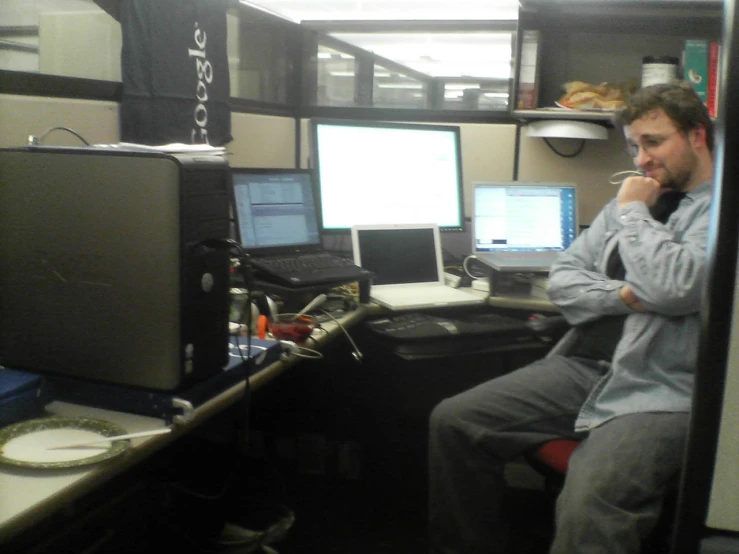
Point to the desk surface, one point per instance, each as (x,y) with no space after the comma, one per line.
(522,303)
(30,495)
(518,302)
(37,494)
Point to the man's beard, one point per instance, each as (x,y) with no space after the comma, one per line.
(680,179)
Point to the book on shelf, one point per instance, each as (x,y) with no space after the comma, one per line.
(714,76)
(695,66)
(702,69)
(528,71)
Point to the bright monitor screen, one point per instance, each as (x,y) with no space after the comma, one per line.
(524,216)
(372,173)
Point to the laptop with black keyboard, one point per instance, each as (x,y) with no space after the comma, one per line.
(276,218)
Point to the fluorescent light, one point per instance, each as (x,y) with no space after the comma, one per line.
(461,86)
(401,85)
(383,10)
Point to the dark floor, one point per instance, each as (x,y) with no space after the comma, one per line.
(331,515)
(205,497)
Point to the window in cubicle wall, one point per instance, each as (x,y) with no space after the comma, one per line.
(262,52)
(284,64)
(74,38)
(335,79)
(78,39)
(451,70)
(349,76)
(482,94)
(393,89)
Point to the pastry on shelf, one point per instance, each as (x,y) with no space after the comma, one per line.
(580,95)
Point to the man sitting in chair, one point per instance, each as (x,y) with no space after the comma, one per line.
(632,285)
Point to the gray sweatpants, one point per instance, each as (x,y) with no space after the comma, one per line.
(616,479)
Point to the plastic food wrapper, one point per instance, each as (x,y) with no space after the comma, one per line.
(580,95)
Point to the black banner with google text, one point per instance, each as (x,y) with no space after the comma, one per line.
(175,72)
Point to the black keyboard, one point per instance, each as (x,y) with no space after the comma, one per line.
(423,326)
(309,269)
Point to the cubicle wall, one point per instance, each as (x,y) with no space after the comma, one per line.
(21,116)
(723,512)
(259,140)
(591,169)
(488,150)
(262,141)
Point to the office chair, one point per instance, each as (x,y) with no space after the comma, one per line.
(551,459)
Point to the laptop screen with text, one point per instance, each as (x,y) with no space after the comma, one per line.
(524,217)
(275,209)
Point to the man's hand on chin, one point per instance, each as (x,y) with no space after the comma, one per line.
(639,189)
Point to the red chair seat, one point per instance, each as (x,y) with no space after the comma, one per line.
(556,454)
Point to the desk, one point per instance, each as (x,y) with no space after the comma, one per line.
(29,496)
(523,302)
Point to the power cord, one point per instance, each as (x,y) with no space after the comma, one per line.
(36,141)
(356,354)
(290,348)
(572,155)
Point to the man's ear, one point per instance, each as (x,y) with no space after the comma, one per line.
(697,136)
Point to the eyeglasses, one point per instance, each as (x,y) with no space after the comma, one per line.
(649,144)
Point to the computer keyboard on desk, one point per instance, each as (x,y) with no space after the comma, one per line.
(422,326)
(310,269)
(304,262)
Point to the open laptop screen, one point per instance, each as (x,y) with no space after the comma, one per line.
(274,209)
(398,254)
(521,217)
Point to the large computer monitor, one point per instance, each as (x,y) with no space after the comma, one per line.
(371,172)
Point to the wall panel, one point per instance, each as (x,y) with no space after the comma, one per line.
(262,141)
(20,116)
(590,170)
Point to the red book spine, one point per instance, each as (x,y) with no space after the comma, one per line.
(712,96)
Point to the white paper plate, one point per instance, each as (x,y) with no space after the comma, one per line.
(26,444)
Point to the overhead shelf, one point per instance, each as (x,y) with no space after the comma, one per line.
(562,113)
(566,41)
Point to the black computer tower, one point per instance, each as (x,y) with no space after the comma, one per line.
(104,274)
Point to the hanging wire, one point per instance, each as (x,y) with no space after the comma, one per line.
(572,155)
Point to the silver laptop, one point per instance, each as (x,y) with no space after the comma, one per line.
(523,226)
(407,262)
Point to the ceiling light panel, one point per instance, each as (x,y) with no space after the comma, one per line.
(481,55)
(383,10)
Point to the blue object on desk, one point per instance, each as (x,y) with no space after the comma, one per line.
(22,396)
(167,405)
